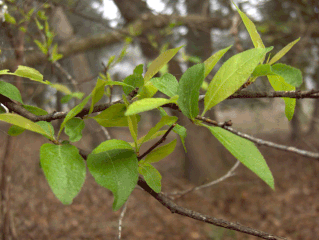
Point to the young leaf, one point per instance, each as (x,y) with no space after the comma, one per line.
(112,144)
(147,104)
(152,176)
(160,62)
(73,112)
(251,28)
(64,170)
(112,116)
(15,130)
(10,19)
(133,126)
(232,75)
(10,91)
(61,88)
(148,91)
(291,75)
(35,110)
(97,93)
(279,84)
(30,73)
(166,84)
(116,170)
(135,80)
(211,61)
(160,153)
(188,90)
(47,127)
(22,122)
(283,51)
(73,129)
(246,152)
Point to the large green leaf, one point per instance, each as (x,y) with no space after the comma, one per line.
(211,61)
(116,170)
(160,62)
(64,170)
(112,116)
(166,84)
(283,51)
(246,152)
(188,90)
(152,176)
(160,153)
(147,104)
(10,91)
(22,122)
(251,28)
(279,84)
(232,75)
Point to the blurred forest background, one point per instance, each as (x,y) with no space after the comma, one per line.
(88,33)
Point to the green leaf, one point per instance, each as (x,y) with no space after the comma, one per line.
(160,62)
(47,127)
(213,60)
(10,91)
(232,75)
(152,176)
(30,73)
(15,130)
(22,122)
(112,144)
(246,152)
(188,90)
(165,120)
(133,126)
(116,170)
(112,116)
(148,91)
(291,75)
(283,51)
(97,93)
(64,170)
(73,112)
(41,46)
(8,18)
(35,110)
(160,153)
(251,28)
(73,129)
(135,80)
(61,88)
(279,84)
(166,84)
(147,104)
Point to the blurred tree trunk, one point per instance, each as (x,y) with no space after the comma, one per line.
(315,114)
(295,123)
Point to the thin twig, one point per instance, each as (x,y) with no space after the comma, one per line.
(157,143)
(227,175)
(121,219)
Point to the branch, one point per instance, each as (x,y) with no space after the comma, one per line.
(174,208)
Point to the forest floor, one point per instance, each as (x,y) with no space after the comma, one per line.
(291,211)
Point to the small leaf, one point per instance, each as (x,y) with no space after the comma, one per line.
(112,144)
(232,75)
(15,130)
(188,90)
(279,84)
(112,116)
(133,126)
(147,104)
(73,129)
(152,176)
(246,152)
(166,84)
(97,93)
(61,88)
(160,62)
(41,46)
(160,153)
(10,91)
(283,51)
(8,18)
(148,91)
(30,73)
(73,112)
(35,110)
(291,75)
(64,170)
(116,170)
(251,28)
(47,127)
(211,61)
(135,80)
(23,123)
